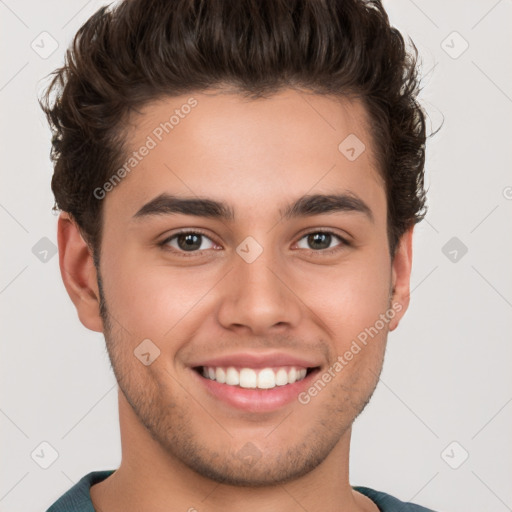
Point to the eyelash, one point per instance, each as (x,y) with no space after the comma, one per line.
(321,252)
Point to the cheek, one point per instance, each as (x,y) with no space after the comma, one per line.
(354,292)
(150,301)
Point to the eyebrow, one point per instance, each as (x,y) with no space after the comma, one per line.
(305,206)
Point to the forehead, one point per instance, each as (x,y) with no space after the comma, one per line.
(254,152)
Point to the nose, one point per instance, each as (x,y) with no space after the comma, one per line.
(256,297)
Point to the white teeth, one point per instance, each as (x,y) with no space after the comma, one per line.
(266,378)
(281,377)
(220,375)
(248,378)
(232,377)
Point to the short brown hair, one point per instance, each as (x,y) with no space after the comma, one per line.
(142,50)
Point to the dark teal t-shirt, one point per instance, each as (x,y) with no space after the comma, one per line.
(78,498)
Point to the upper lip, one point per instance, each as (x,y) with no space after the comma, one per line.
(258,360)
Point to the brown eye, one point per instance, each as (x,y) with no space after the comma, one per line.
(320,241)
(188,241)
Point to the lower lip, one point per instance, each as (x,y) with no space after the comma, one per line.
(256,400)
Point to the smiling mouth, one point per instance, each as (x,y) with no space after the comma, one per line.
(255,378)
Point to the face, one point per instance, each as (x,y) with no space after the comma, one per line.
(246,320)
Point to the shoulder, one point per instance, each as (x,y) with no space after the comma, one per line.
(78,497)
(388,503)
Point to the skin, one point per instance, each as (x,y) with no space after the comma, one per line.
(181,445)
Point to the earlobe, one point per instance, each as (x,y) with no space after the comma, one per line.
(78,272)
(401,278)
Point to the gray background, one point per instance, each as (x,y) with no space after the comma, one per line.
(447,376)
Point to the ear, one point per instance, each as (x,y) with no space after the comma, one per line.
(401,278)
(79,273)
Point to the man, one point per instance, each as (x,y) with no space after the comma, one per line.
(239,182)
